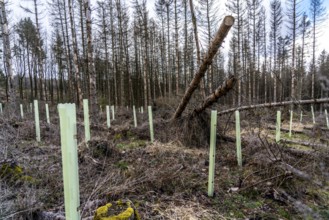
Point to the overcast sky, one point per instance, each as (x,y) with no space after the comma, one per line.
(323,40)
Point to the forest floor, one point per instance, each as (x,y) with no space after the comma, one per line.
(168,179)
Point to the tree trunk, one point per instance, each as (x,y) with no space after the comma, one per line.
(7,58)
(75,55)
(219,92)
(195,30)
(91,66)
(276,104)
(176,50)
(40,55)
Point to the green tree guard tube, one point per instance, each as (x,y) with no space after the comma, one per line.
(290,125)
(112,109)
(278,126)
(135,118)
(47,114)
(68,130)
(211,176)
(36,119)
(108,119)
(312,110)
(238,138)
(86,119)
(151,123)
(22,112)
(326,113)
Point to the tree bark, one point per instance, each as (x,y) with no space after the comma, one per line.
(195,30)
(7,58)
(40,55)
(75,55)
(213,48)
(91,66)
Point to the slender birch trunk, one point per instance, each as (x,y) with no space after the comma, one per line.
(7,58)
(75,55)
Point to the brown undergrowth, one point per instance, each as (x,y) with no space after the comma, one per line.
(167,179)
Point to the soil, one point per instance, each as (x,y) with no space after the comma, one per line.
(167,179)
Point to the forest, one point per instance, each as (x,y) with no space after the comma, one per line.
(184,61)
(114,52)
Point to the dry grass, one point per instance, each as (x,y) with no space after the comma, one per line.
(165,180)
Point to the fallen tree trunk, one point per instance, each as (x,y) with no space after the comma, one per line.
(286,130)
(276,104)
(296,172)
(307,153)
(219,92)
(313,145)
(213,48)
(311,128)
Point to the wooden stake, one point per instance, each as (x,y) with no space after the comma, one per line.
(67,115)
(108,118)
(0,108)
(22,112)
(301,116)
(238,138)
(86,119)
(36,119)
(278,126)
(31,108)
(290,125)
(135,118)
(211,176)
(47,114)
(151,123)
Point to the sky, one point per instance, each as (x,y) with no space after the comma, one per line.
(323,38)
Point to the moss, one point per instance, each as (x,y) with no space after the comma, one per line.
(132,144)
(11,171)
(117,136)
(123,165)
(14,173)
(28,179)
(126,212)
(130,134)
(284,213)
(253,204)
(297,136)
(324,214)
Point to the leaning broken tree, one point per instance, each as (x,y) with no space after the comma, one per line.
(200,73)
